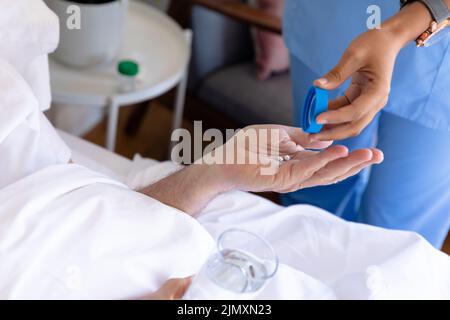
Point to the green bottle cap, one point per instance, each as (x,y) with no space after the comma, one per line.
(128,68)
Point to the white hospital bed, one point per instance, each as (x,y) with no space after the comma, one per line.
(315,247)
(96,157)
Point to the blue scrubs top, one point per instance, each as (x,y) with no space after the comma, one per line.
(317,32)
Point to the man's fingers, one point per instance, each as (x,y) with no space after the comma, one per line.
(305,167)
(173,289)
(341,166)
(338,168)
(176,288)
(378,158)
(289,147)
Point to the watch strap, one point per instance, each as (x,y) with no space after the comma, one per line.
(438,9)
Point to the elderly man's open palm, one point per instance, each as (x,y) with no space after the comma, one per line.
(286,161)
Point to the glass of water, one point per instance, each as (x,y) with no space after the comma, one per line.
(240,268)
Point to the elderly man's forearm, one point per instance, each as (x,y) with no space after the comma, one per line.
(190,189)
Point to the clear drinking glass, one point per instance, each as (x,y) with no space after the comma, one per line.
(240,268)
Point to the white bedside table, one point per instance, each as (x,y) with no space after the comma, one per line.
(162,50)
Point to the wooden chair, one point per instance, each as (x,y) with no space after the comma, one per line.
(180,10)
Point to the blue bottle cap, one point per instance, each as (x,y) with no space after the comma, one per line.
(316,103)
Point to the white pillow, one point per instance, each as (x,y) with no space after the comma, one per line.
(29,31)
(28,28)
(28,142)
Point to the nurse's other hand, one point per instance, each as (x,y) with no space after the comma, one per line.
(173,289)
(369,62)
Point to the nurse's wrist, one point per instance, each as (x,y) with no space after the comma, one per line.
(408,24)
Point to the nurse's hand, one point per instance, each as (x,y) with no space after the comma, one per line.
(173,289)
(369,62)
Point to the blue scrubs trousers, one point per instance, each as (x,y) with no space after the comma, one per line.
(409,191)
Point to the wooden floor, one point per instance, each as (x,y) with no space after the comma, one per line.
(152,139)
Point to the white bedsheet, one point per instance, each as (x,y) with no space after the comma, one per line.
(67,232)
(323,256)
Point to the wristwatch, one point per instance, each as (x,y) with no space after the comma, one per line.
(439,27)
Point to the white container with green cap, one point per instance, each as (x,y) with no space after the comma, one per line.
(128,71)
